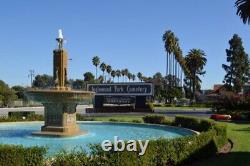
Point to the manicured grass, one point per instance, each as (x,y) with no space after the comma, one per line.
(240,154)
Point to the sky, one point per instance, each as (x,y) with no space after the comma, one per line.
(124,34)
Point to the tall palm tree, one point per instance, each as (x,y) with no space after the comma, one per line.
(139,76)
(103,67)
(169,40)
(118,74)
(243,10)
(195,62)
(108,69)
(96,62)
(113,74)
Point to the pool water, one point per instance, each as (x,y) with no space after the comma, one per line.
(19,133)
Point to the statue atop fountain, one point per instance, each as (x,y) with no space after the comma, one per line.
(60,101)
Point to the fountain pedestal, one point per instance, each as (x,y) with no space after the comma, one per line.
(60,120)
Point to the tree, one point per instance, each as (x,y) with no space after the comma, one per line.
(7,95)
(103,68)
(237,70)
(88,77)
(243,10)
(139,76)
(118,74)
(113,74)
(170,42)
(195,62)
(123,74)
(19,91)
(78,84)
(96,62)
(108,69)
(43,81)
(129,76)
(133,77)
(126,73)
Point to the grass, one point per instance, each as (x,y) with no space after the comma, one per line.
(240,154)
(124,118)
(179,108)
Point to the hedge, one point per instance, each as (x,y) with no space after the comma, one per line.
(156,119)
(12,155)
(193,123)
(160,152)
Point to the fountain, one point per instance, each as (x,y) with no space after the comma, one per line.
(60,101)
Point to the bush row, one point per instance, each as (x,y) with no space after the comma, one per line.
(12,155)
(160,152)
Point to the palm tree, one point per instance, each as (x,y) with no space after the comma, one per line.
(113,74)
(123,74)
(195,62)
(108,69)
(126,72)
(139,76)
(169,42)
(243,10)
(118,74)
(96,62)
(103,67)
(129,76)
(133,77)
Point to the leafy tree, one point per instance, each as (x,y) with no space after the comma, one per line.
(88,77)
(78,84)
(243,10)
(195,62)
(237,70)
(7,95)
(19,91)
(43,81)
(96,62)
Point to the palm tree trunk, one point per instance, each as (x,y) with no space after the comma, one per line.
(96,72)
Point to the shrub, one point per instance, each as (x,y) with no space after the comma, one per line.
(136,121)
(156,119)
(18,155)
(193,123)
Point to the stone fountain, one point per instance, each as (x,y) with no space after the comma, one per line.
(60,101)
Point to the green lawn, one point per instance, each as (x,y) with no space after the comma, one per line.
(240,154)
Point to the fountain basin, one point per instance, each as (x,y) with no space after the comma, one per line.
(60,110)
(20,133)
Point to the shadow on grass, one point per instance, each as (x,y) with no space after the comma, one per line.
(229,159)
(247,129)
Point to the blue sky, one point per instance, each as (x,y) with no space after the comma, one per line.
(124,34)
